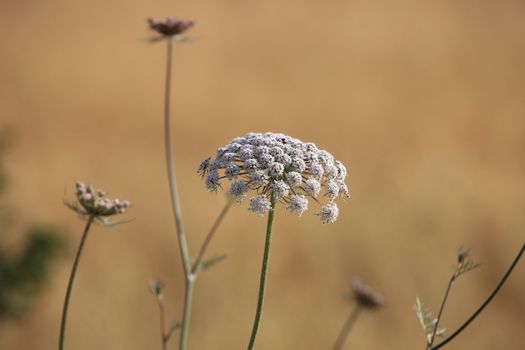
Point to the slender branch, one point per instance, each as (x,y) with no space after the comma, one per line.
(177,214)
(71,280)
(347,327)
(264,268)
(209,236)
(485,303)
(172,329)
(442,307)
(186,313)
(163,337)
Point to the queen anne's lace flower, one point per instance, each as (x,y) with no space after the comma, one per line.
(280,167)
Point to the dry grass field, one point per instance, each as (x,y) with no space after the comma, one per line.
(424,101)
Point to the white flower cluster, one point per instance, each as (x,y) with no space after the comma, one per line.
(280,167)
(94,201)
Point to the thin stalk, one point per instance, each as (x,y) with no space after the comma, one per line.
(177,214)
(70,283)
(264,269)
(485,303)
(162,324)
(347,327)
(186,313)
(442,307)
(209,236)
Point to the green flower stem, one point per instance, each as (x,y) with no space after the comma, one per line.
(70,283)
(264,268)
(347,327)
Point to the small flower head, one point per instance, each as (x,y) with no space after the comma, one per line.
(260,205)
(238,191)
(156,288)
(297,204)
(169,26)
(328,213)
(465,262)
(365,296)
(278,166)
(93,202)
(294,179)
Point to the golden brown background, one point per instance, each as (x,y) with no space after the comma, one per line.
(423,100)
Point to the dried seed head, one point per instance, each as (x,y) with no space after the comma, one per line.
(169,26)
(365,296)
(280,166)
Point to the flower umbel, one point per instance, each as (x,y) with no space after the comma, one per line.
(278,165)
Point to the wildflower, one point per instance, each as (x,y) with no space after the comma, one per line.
(365,296)
(278,166)
(169,26)
(93,202)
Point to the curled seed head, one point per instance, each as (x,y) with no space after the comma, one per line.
(94,202)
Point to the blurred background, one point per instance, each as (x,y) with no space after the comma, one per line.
(422,100)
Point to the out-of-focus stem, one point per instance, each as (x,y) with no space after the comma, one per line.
(177,214)
(347,327)
(484,304)
(162,319)
(70,283)
(442,307)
